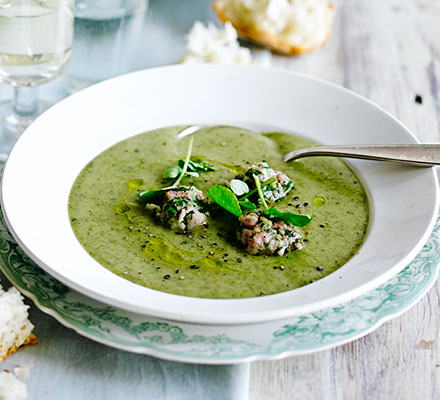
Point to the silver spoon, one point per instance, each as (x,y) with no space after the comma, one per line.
(421,155)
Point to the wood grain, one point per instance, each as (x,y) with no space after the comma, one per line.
(389,52)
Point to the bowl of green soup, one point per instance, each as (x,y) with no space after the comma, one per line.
(214,227)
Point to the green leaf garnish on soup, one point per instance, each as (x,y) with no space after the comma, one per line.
(197,166)
(226,199)
(247,205)
(149,196)
(299,220)
(193,169)
(172,172)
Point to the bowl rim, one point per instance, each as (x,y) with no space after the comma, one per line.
(215,311)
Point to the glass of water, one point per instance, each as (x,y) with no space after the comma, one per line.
(35,45)
(107,37)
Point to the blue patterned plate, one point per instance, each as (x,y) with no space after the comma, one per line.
(220,344)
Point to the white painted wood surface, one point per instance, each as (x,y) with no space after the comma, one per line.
(388,51)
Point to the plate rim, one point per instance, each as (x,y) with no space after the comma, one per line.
(393,311)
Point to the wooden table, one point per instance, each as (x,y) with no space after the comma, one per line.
(388,51)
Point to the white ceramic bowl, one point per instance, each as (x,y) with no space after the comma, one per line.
(46,160)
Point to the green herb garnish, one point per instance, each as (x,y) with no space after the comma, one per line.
(247,205)
(149,195)
(193,169)
(260,193)
(172,211)
(226,199)
(299,220)
(289,217)
(185,164)
(172,172)
(268,182)
(197,166)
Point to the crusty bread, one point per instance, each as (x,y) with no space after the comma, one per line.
(15,327)
(290,27)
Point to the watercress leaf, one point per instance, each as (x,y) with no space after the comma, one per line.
(247,205)
(196,166)
(239,187)
(195,174)
(289,217)
(191,166)
(150,196)
(203,166)
(172,211)
(226,199)
(172,172)
(209,167)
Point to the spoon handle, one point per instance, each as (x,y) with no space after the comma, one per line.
(422,155)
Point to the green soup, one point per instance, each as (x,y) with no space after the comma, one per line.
(125,237)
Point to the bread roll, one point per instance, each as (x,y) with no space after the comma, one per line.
(15,327)
(286,26)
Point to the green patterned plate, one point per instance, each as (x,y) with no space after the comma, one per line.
(209,344)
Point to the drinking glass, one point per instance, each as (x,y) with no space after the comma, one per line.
(107,38)
(35,45)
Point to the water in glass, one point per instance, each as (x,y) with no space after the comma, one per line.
(107,34)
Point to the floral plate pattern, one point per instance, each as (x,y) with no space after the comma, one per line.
(220,344)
